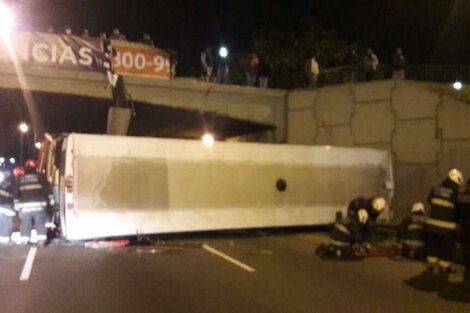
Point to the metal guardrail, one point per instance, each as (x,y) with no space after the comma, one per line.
(430,73)
(345,74)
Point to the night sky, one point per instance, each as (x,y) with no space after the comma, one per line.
(429,31)
(436,31)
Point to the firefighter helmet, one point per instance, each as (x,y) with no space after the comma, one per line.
(31,164)
(456,176)
(363,216)
(18,171)
(417,207)
(378,204)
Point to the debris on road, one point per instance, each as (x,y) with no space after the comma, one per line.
(259,252)
(106,244)
(158,250)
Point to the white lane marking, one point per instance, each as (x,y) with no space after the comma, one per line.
(28,264)
(228,258)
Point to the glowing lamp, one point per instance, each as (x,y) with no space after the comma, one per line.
(223,52)
(457,85)
(23,127)
(7,20)
(208,140)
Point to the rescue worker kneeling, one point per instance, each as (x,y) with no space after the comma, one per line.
(346,238)
(31,201)
(7,211)
(374,207)
(411,233)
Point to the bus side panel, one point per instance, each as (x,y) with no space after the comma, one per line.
(117,196)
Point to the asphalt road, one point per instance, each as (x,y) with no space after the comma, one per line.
(260,273)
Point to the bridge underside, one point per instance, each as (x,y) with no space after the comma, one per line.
(68,113)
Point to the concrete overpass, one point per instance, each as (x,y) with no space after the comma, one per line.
(260,107)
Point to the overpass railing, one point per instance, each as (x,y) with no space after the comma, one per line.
(430,73)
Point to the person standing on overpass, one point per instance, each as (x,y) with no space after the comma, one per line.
(147,40)
(32,198)
(207,64)
(116,35)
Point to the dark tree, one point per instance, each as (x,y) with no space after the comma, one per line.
(287,50)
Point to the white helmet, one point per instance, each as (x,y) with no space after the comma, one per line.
(418,207)
(378,204)
(363,216)
(456,176)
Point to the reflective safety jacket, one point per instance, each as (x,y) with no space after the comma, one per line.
(463,215)
(347,232)
(443,215)
(362,203)
(6,199)
(32,193)
(411,231)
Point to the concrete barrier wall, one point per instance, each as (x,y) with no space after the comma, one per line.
(426,132)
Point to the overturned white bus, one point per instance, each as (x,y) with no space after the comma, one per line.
(119,186)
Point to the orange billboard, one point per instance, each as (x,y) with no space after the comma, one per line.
(132,59)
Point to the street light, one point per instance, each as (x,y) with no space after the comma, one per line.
(23,127)
(457,85)
(38,145)
(2,160)
(223,52)
(12,161)
(208,140)
(7,20)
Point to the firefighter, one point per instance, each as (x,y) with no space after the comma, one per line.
(411,233)
(7,211)
(441,234)
(32,198)
(461,291)
(346,238)
(373,206)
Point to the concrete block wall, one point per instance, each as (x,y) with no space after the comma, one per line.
(426,132)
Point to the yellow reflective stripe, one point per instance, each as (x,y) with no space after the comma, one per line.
(443,224)
(7,212)
(32,209)
(4,239)
(342,228)
(415,227)
(338,243)
(30,204)
(31,187)
(414,243)
(4,193)
(442,202)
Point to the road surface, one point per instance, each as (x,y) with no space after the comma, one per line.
(258,272)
